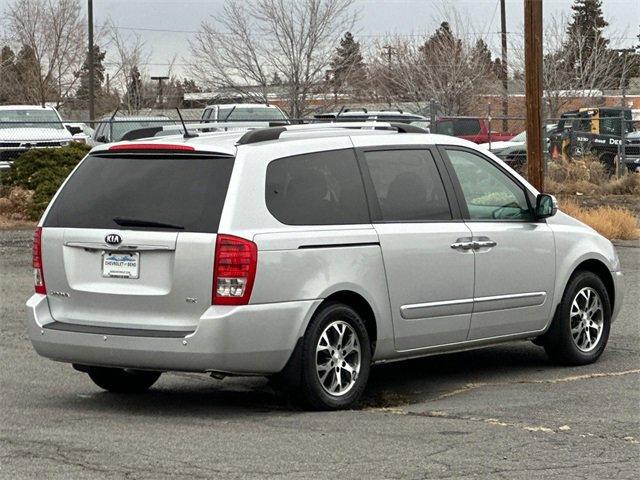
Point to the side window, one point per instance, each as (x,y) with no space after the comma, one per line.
(445,127)
(466,126)
(407,185)
(323,188)
(488,192)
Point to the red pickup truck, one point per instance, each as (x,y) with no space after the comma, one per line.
(473,129)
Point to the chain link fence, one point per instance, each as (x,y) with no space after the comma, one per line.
(613,140)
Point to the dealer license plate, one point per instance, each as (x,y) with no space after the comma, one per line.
(121,264)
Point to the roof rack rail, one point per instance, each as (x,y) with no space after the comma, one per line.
(273,133)
(213,127)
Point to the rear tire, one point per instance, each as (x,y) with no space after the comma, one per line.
(119,380)
(580,328)
(330,367)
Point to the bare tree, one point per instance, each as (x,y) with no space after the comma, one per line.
(579,66)
(53,33)
(128,57)
(250,43)
(450,67)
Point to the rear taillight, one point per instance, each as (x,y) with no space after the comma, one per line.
(234,270)
(38,274)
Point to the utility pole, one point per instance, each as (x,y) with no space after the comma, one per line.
(533,90)
(389,50)
(505,72)
(92,87)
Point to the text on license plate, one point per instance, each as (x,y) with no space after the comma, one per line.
(121,264)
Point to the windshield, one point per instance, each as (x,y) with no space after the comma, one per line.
(521,137)
(36,118)
(120,126)
(258,114)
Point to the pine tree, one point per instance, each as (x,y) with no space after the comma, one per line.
(82,93)
(347,65)
(481,58)
(7,75)
(587,21)
(276,80)
(134,89)
(442,39)
(28,78)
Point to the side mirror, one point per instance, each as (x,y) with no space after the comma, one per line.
(102,139)
(546,206)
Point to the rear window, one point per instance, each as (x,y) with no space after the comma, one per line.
(323,188)
(187,192)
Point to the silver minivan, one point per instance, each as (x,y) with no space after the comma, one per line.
(308,253)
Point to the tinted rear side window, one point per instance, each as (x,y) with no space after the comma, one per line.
(408,186)
(466,126)
(187,192)
(323,188)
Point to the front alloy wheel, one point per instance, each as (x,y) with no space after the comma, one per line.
(587,319)
(580,327)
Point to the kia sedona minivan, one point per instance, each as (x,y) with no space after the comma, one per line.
(308,253)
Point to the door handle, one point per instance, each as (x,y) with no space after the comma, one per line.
(463,245)
(484,244)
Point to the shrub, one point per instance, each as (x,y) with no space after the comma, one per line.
(612,222)
(42,171)
(15,204)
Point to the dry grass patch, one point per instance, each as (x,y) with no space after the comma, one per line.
(611,222)
(588,176)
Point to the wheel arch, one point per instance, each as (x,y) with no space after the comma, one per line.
(360,305)
(600,269)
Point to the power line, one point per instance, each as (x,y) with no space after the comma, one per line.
(364,35)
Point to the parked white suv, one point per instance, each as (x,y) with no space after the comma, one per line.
(308,252)
(23,127)
(242,112)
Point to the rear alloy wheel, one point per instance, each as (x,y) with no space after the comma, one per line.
(120,380)
(338,358)
(333,360)
(580,329)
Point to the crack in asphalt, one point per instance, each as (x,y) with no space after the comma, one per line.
(565,429)
(573,378)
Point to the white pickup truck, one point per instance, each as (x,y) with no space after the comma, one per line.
(29,126)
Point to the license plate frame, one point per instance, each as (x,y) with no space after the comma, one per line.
(121,265)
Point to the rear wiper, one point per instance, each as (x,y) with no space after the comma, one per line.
(138,222)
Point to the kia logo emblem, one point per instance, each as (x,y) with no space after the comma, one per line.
(113,239)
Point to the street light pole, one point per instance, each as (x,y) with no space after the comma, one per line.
(91,64)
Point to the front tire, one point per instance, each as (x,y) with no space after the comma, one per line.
(580,328)
(333,360)
(119,380)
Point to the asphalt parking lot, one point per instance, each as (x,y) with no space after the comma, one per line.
(503,412)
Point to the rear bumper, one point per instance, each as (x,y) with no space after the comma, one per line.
(250,339)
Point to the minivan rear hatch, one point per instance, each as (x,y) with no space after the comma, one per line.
(129,241)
